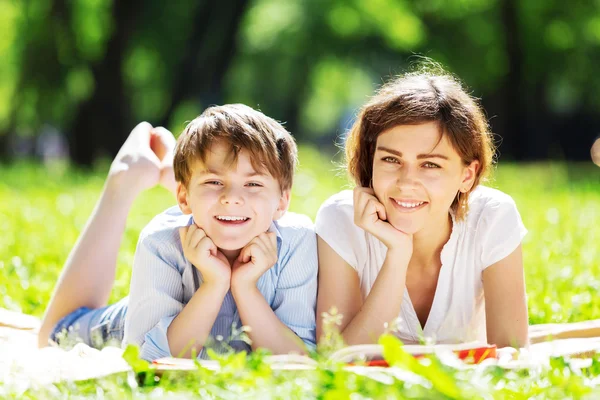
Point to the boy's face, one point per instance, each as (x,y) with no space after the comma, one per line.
(232,202)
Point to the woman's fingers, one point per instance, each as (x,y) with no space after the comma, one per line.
(367,208)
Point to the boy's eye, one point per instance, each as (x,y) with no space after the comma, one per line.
(213,183)
(430,165)
(254,184)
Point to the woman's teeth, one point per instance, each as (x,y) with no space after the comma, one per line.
(409,205)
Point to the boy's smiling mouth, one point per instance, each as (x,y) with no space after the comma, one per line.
(405,205)
(231,219)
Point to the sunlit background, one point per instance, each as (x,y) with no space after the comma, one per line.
(87,70)
(76,76)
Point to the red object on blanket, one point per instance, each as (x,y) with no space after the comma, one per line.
(470,356)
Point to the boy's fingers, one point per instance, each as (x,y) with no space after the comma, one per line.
(205,244)
(245,254)
(196,236)
(270,242)
(261,245)
(263,239)
(273,240)
(183,234)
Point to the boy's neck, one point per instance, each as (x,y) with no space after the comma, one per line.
(231,255)
(428,243)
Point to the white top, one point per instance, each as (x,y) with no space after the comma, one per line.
(490,232)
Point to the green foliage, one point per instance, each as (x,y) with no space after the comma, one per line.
(43,209)
(431,369)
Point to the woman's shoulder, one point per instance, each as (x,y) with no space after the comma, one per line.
(495,224)
(336,212)
(486,202)
(487,195)
(344,197)
(335,225)
(341,203)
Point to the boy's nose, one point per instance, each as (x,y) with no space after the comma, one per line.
(232,196)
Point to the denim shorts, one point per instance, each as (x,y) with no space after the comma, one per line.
(97,327)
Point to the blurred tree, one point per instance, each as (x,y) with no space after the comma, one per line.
(92,68)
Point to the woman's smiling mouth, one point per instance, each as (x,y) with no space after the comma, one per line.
(404,205)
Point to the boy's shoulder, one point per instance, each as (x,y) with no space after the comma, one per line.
(294,223)
(165,226)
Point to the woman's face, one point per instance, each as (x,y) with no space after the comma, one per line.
(417,175)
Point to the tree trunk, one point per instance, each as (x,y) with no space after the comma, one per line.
(513,132)
(202,72)
(102,122)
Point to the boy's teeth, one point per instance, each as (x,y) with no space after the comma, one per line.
(230,218)
(409,205)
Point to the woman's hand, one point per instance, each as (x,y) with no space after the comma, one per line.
(370,215)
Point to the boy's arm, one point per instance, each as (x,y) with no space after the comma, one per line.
(280,327)
(154,319)
(191,327)
(266,330)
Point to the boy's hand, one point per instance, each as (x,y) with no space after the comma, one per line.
(254,260)
(370,215)
(200,250)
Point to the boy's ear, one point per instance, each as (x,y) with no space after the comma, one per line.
(182,198)
(469,176)
(284,203)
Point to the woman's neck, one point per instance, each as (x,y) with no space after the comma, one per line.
(428,242)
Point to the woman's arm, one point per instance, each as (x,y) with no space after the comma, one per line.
(362,322)
(505,302)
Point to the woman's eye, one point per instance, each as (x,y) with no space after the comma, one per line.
(430,165)
(390,159)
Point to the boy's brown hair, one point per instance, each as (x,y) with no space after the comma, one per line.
(417,98)
(271,147)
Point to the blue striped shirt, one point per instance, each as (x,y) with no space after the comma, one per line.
(164,281)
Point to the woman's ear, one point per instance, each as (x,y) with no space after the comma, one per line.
(469,175)
(182,198)
(284,203)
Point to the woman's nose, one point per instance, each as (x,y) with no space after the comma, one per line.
(407,176)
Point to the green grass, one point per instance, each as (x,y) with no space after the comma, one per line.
(43,209)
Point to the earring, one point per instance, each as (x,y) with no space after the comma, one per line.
(461,199)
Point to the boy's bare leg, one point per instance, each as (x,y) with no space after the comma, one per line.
(89,272)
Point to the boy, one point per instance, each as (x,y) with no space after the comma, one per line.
(228,255)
